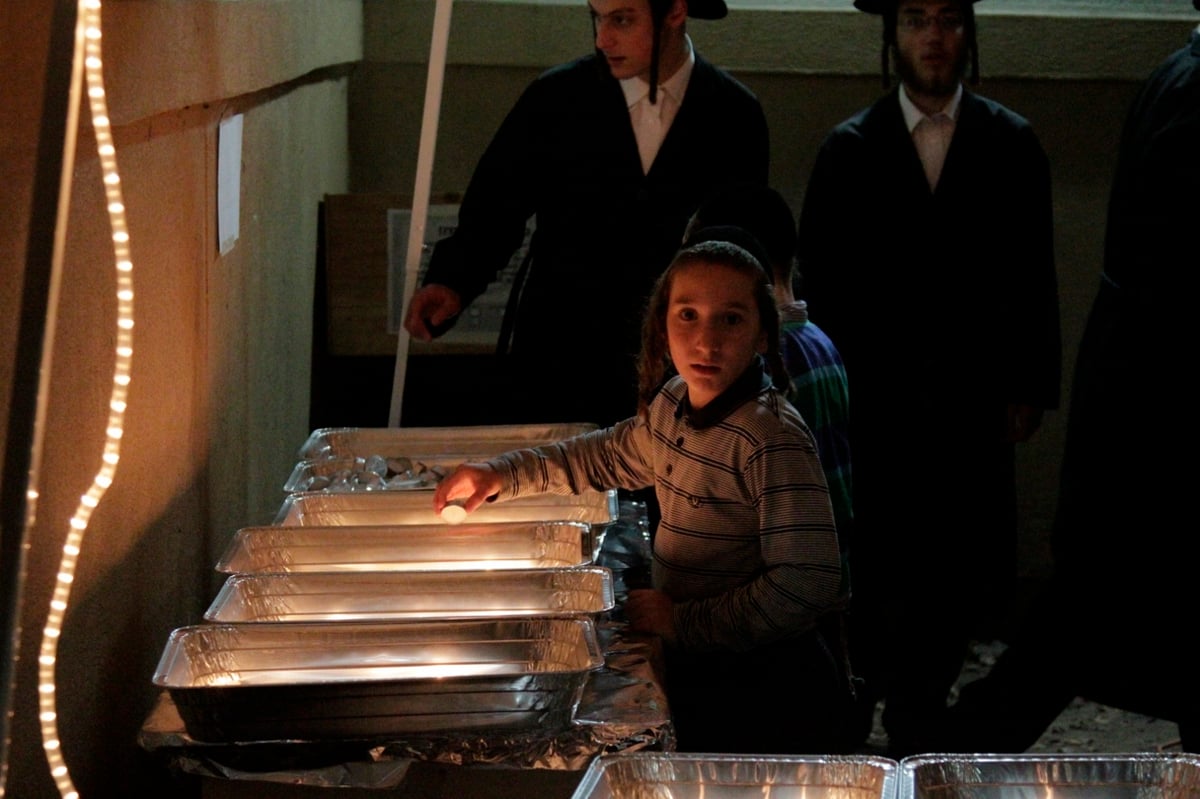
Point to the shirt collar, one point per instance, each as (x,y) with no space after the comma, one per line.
(749,385)
(637,88)
(795,312)
(913,115)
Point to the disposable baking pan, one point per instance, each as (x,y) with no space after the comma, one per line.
(376,473)
(417,442)
(1067,776)
(374,508)
(275,681)
(423,596)
(643,775)
(504,545)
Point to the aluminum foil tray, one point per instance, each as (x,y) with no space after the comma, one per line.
(413,596)
(325,509)
(644,775)
(277,681)
(508,545)
(376,473)
(415,442)
(1120,776)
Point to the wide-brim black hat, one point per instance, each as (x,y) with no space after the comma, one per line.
(711,9)
(880,6)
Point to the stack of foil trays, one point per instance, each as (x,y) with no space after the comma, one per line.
(359,614)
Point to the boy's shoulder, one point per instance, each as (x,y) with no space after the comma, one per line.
(769,418)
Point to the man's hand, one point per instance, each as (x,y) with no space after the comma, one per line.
(431,307)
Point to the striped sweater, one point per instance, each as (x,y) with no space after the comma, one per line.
(747,548)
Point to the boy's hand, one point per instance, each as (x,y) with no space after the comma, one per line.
(469,485)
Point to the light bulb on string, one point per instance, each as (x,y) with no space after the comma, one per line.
(88,39)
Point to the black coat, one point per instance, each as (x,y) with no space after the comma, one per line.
(1113,623)
(566,155)
(1132,415)
(943,299)
(944,305)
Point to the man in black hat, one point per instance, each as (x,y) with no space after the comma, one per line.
(926,240)
(1115,621)
(611,154)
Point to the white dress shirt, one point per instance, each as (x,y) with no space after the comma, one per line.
(651,122)
(931,134)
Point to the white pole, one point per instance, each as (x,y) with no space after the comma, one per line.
(420,209)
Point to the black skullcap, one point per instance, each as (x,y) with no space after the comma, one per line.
(732,234)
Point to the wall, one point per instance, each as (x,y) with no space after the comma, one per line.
(1072,72)
(218,404)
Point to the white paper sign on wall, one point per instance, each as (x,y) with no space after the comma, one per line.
(229,181)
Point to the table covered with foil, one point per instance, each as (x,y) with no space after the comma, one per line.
(622,708)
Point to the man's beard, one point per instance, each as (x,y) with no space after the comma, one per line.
(935,87)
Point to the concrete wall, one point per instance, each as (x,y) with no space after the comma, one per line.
(218,403)
(1072,72)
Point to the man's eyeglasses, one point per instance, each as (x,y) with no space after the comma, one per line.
(946,23)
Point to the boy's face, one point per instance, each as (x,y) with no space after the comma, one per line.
(931,51)
(624,35)
(713,329)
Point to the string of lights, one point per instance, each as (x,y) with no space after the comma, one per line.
(88,40)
